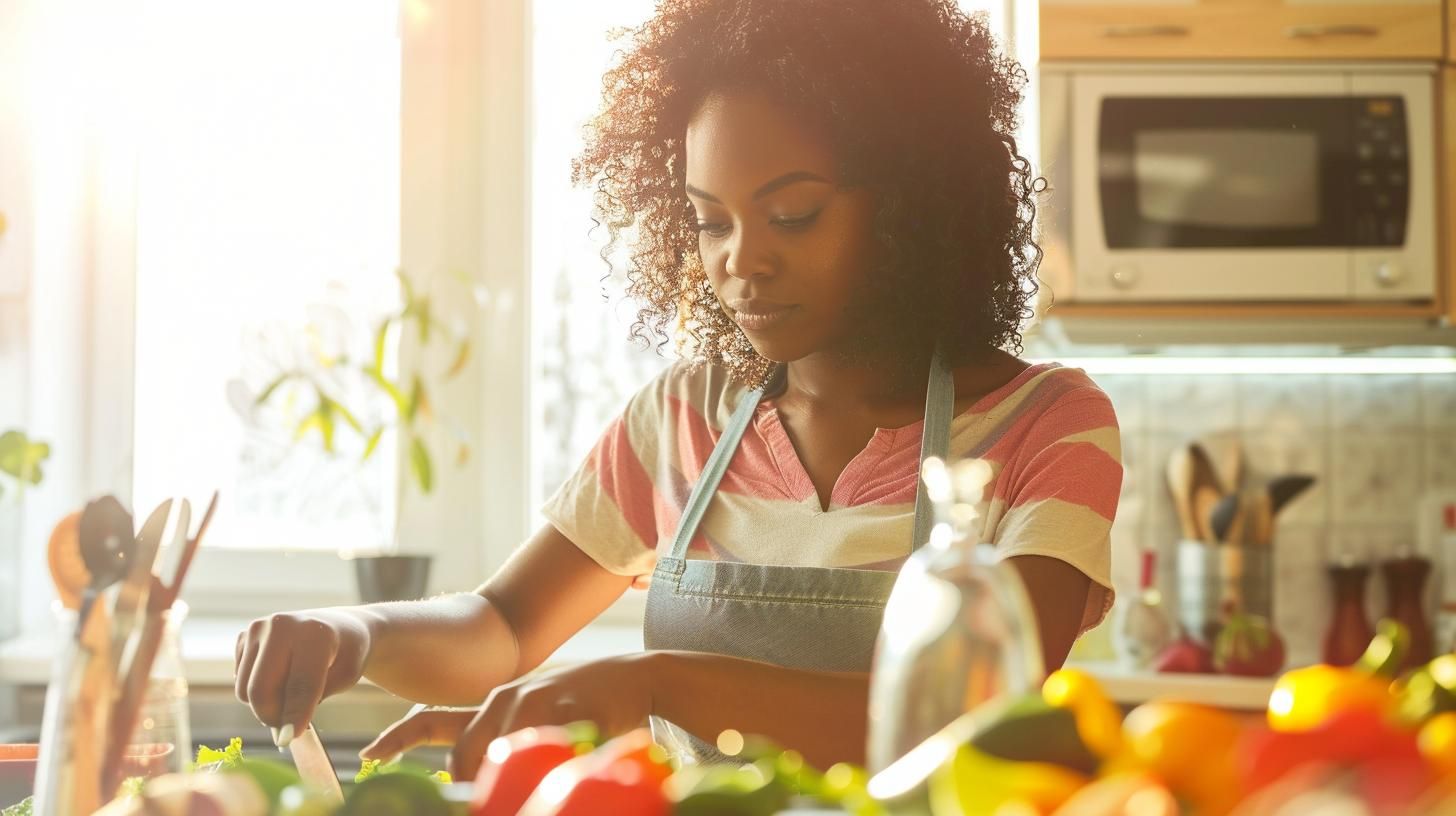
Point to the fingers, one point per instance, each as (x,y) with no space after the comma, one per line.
(245,654)
(303,687)
(424,728)
(464,761)
(283,665)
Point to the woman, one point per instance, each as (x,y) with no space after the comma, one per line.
(832,222)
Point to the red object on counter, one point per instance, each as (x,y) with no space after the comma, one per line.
(1405,586)
(1185,656)
(1248,646)
(1349,631)
(515,764)
(623,777)
(1357,737)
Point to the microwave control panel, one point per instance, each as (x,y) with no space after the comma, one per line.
(1381,171)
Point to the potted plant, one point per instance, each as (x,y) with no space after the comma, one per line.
(21,459)
(351,404)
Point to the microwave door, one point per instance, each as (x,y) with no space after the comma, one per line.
(1224,173)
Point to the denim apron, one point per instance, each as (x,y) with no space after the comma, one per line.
(818,618)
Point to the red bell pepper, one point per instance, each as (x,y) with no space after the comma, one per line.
(516,763)
(1358,738)
(623,777)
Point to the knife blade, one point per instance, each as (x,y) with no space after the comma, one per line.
(313,764)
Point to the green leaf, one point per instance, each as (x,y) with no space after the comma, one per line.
(372,443)
(22,458)
(381,340)
(229,757)
(273,386)
(406,288)
(426,319)
(412,407)
(420,463)
(322,419)
(349,418)
(391,389)
(462,355)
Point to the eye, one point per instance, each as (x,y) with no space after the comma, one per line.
(799,222)
(712,230)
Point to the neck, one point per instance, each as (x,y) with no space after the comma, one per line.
(830,379)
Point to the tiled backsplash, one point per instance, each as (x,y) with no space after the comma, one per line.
(1375,442)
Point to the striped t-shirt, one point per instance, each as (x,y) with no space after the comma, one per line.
(1049,434)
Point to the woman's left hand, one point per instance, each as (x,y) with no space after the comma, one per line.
(616,693)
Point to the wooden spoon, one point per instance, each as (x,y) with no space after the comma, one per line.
(1180,487)
(1205,490)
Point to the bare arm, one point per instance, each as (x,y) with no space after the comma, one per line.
(448,650)
(1058,593)
(822,715)
(544,593)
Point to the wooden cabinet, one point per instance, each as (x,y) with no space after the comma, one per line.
(1446,205)
(1243,29)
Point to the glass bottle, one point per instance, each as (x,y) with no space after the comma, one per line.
(959,629)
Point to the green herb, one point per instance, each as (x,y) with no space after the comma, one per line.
(132,785)
(226,759)
(366,770)
(25,807)
(375,767)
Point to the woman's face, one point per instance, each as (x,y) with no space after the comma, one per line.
(785,249)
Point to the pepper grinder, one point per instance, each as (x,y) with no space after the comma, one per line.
(1144,627)
(1349,632)
(1405,586)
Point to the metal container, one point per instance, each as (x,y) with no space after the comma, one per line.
(392,577)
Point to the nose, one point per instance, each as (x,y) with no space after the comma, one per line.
(749,257)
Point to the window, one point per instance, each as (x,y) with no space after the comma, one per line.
(268,198)
(584,367)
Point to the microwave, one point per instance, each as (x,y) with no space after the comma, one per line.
(1196,183)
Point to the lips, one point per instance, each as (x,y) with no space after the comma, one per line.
(758,314)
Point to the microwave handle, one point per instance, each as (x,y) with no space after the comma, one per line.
(1313,31)
(1145,30)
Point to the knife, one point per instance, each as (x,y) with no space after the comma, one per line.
(313,764)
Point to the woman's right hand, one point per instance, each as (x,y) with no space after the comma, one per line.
(286,663)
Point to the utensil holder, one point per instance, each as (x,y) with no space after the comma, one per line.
(1210,574)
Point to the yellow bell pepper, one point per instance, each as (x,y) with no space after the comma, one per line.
(1305,698)
(1099,720)
(975,782)
(1437,740)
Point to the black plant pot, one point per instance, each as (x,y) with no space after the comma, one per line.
(392,577)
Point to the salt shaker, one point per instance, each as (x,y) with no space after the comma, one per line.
(1144,627)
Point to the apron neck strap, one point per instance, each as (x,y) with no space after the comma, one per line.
(935,441)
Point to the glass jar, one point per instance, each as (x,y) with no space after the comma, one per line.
(162,741)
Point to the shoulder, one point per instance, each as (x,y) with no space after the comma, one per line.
(1051,388)
(701,388)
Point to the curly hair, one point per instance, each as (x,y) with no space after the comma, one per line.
(920,107)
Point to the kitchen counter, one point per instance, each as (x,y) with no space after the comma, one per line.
(354,717)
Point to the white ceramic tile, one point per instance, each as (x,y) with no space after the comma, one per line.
(1375,477)
(1192,404)
(1375,403)
(1273,453)
(1301,592)
(1440,459)
(1438,400)
(1283,404)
